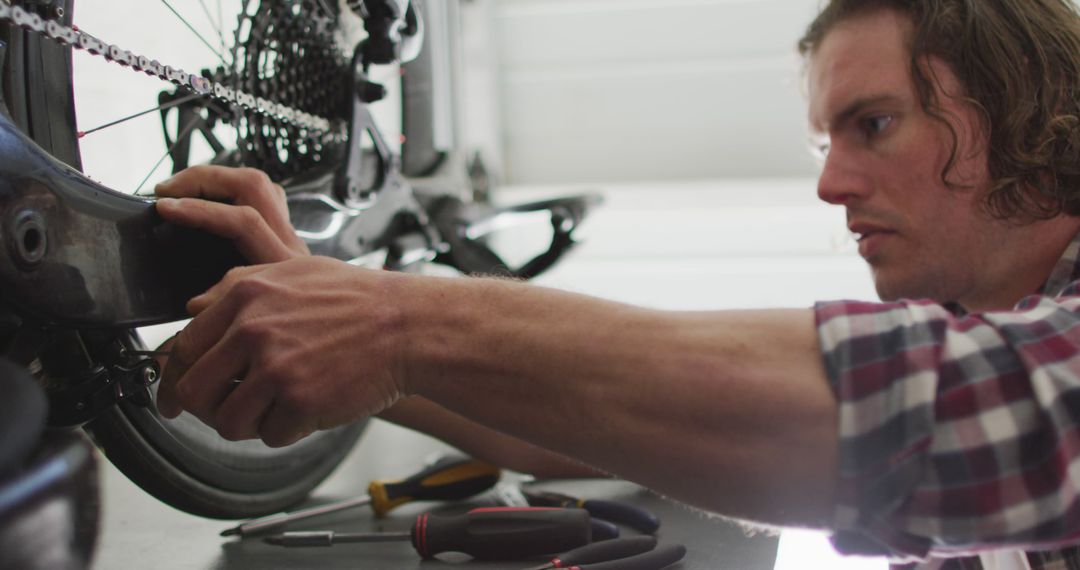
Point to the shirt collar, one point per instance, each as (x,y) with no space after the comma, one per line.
(1066,271)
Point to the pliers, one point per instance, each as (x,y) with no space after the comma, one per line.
(636,553)
(632,516)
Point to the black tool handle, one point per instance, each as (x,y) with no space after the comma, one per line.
(606,550)
(502,533)
(624,513)
(660,558)
(616,511)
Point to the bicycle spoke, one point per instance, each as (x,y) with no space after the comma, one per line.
(221,25)
(213,24)
(234,51)
(168,105)
(179,138)
(194,31)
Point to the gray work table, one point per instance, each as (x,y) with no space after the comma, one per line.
(139,532)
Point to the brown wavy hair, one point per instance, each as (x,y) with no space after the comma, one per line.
(1019,62)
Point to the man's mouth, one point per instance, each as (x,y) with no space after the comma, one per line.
(862,231)
(869,237)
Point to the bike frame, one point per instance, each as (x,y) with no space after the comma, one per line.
(78,256)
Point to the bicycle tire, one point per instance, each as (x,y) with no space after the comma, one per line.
(181,462)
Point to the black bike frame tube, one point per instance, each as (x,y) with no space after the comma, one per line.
(79,254)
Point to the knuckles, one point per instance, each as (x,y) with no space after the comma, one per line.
(255,335)
(249,218)
(293,392)
(279,192)
(255,184)
(247,288)
(253,180)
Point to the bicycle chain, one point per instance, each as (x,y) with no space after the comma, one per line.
(217,90)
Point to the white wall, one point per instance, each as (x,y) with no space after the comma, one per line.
(734,243)
(630,90)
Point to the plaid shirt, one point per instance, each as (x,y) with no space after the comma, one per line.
(959,433)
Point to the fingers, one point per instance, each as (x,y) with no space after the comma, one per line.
(239,187)
(284,425)
(201,334)
(243,225)
(212,295)
(210,380)
(254,411)
(242,186)
(240,415)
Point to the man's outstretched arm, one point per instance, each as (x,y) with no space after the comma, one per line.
(728,410)
(484,443)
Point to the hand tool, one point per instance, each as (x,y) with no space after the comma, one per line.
(633,556)
(486,534)
(616,511)
(510,495)
(449,479)
(601,552)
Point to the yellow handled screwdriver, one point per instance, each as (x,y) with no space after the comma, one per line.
(449,479)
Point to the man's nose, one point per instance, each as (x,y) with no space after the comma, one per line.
(843,179)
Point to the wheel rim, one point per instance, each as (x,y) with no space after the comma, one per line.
(257,477)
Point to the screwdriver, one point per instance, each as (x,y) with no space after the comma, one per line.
(498,533)
(449,479)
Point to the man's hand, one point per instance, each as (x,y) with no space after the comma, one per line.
(244,205)
(240,204)
(279,351)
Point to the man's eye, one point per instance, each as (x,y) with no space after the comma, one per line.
(819,146)
(874,125)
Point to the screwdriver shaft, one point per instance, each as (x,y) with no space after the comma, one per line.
(373,536)
(268,523)
(330,538)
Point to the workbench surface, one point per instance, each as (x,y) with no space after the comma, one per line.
(140,532)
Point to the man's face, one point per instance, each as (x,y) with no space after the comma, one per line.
(884,157)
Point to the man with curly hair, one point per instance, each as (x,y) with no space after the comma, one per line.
(939,427)
(951,135)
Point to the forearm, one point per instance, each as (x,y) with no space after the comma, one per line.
(482,442)
(729,411)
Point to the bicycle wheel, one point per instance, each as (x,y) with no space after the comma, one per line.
(182,462)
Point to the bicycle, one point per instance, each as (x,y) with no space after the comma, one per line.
(84,266)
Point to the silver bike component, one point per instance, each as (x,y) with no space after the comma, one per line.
(81,40)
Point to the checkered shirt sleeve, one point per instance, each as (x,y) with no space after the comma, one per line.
(958,433)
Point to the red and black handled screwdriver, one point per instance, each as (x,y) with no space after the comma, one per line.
(498,533)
